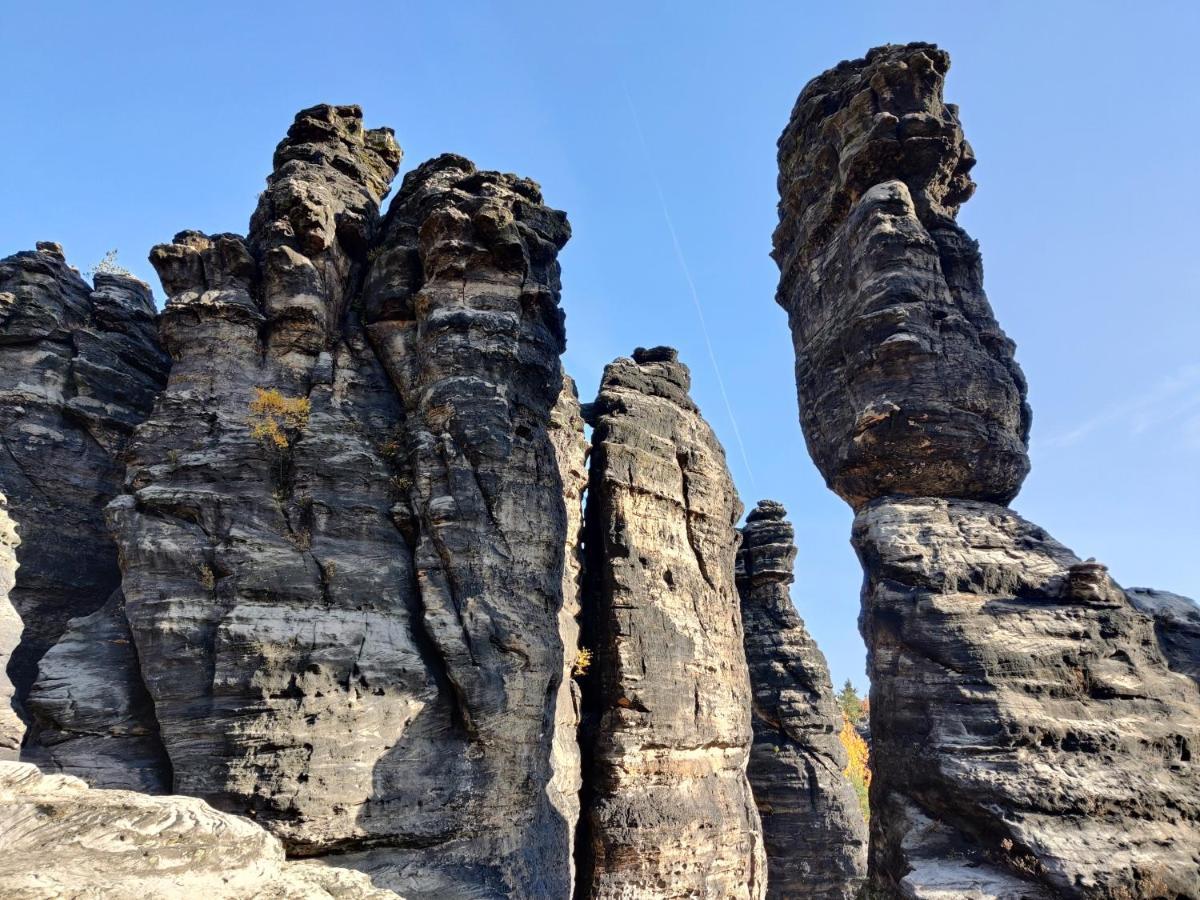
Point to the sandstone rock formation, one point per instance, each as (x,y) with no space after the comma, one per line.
(907,385)
(1177,624)
(12,729)
(121,844)
(813,829)
(1029,737)
(668,808)
(79,369)
(1023,704)
(345,534)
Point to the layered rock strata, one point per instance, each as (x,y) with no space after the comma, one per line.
(1177,625)
(120,844)
(80,366)
(1029,736)
(12,729)
(1021,703)
(814,833)
(344,537)
(907,385)
(668,808)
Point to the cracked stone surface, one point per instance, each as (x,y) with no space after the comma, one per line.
(12,729)
(1032,725)
(119,844)
(667,807)
(907,384)
(350,625)
(813,829)
(1021,712)
(80,366)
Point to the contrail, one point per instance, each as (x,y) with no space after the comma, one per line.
(687,274)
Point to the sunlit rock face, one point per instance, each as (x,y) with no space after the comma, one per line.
(667,806)
(80,366)
(813,829)
(1032,728)
(907,384)
(345,537)
(64,840)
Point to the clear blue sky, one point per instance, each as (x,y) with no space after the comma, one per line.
(125,123)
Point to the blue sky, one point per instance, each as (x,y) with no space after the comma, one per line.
(125,123)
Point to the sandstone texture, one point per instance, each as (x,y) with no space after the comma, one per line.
(80,366)
(121,844)
(1177,625)
(345,533)
(12,729)
(813,829)
(1033,726)
(668,808)
(907,385)
(1021,702)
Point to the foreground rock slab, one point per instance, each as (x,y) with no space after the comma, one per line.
(668,808)
(813,829)
(64,840)
(1023,716)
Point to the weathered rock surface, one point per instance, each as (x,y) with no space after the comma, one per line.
(1177,624)
(12,729)
(64,840)
(813,829)
(95,719)
(1021,713)
(345,541)
(907,385)
(79,369)
(668,808)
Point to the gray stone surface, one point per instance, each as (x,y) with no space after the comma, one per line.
(813,829)
(1021,704)
(906,383)
(63,840)
(353,628)
(668,808)
(79,368)
(1177,624)
(12,729)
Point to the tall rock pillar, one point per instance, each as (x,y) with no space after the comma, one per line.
(1029,738)
(668,808)
(813,829)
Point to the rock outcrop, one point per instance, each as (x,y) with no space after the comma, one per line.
(906,383)
(1177,624)
(80,366)
(1020,701)
(668,809)
(813,829)
(121,844)
(12,729)
(345,533)
(1029,738)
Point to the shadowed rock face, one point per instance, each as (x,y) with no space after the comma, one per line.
(1022,715)
(813,829)
(906,383)
(1177,625)
(667,805)
(120,844)
(79,368)
(349,620)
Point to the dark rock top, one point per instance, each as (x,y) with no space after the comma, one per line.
(907,385)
